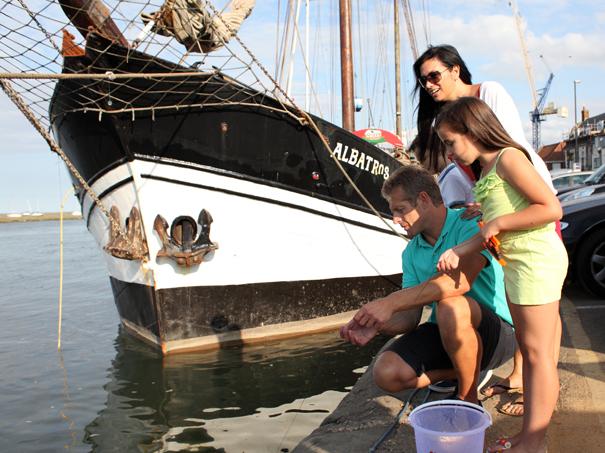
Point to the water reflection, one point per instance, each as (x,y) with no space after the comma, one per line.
(261,398)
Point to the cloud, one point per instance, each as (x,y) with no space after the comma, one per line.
(489,43)
(489,40)
(494,40)
(553,130)
(571,49)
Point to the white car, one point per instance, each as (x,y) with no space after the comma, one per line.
(582,192)
(574,178)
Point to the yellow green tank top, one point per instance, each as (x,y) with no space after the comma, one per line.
(498,197)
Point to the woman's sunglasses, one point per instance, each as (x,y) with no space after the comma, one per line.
(433,77)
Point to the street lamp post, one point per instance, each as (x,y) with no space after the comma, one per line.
(575,119)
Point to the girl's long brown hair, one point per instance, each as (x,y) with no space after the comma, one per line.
(471,116)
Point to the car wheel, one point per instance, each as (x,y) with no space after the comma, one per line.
(590,263)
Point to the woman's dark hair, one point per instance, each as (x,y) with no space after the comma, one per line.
(471,116)
(429,149)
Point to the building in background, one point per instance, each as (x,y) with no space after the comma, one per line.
(582,149)
(554,156)
(589,136)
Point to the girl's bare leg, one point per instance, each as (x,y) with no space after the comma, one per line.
(538,330)
(515,379)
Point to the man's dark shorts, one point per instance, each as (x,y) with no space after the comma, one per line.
(423,351)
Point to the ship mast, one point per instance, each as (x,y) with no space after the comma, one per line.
(346,66)
(92,15)
(397,71)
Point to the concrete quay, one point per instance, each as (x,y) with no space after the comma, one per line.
(578,424)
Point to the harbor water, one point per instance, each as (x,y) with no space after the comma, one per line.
(106,391)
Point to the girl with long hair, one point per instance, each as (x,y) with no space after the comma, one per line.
(442,77)
(520,211)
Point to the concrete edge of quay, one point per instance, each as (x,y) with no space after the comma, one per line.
(578,424)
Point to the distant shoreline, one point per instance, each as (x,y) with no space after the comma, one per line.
(38,217)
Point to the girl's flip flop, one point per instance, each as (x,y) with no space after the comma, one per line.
(510,407)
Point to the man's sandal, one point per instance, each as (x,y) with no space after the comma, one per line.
(498,389)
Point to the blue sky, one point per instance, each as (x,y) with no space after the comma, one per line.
(568,33)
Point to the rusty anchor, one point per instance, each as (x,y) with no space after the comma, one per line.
(129,246)
(181,244)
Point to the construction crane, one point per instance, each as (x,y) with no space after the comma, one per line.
(538,97)
(528,70)
(540,111)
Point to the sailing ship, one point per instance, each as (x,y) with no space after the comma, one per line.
(225,213)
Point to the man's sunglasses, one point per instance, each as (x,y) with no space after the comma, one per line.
(433,77)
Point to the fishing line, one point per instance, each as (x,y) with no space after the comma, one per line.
(291,423)
(397,421)
(67,193)
(403,410)
(405,407)
(66,399)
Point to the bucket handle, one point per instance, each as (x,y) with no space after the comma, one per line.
(450,403)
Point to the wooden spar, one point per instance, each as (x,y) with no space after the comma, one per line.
(87,15)
(397,71)
(346,66)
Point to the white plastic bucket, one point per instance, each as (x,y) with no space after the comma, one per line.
(449,426)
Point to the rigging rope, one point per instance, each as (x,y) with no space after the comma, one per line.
(189,22)
(323,139)
(409,21)
(22,58)
(308,70)
(360,87)
(426,25)
(33,17)
(18,101)
(109,75)
(277,28)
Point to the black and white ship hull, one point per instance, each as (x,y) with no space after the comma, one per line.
(297,248)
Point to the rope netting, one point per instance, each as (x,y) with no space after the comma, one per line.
(33,45)
(37,38)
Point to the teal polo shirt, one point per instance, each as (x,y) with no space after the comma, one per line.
(420,263)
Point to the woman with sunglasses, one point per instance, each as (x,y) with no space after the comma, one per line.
(442,77)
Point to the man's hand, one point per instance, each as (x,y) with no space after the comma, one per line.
(471,210)
(448,261)
(375,313)
(356,334)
